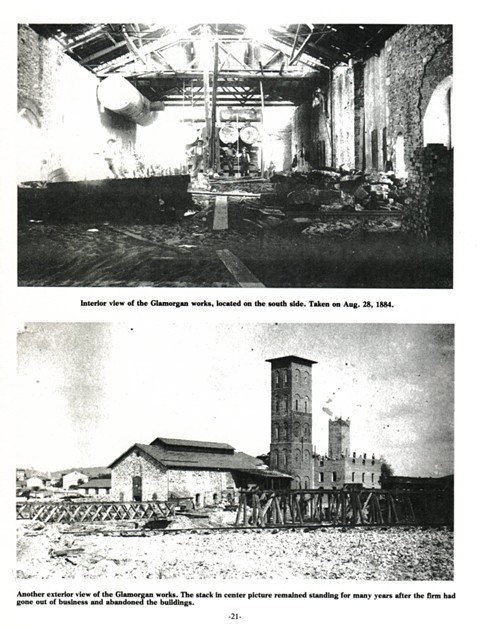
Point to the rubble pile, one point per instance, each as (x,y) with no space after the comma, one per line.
(54,551)
(340,190)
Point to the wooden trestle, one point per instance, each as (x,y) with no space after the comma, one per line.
(344,507)
(89,511)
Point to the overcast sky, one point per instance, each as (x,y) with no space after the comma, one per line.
(87,392)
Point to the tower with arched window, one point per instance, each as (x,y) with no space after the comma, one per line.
(291,449)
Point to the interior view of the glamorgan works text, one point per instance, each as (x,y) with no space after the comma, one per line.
(234,155)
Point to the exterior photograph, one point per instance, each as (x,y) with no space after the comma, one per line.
(327,447)
(235,155)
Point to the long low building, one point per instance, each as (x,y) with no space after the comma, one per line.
(205,471)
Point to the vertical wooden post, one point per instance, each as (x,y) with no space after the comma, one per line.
(262,98)
(213,131)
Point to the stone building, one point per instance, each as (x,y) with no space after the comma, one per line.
(206,472)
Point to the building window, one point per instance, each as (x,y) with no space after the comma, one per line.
(154,497)
(306,483)
(363,477)
(334,476)
(297,376)
(305,377)
(285,378)
(373,478)
(296,405)
(286,404)
(284,458)
(298,455)
(275,431)
(353,476)
(275,459)
(277,378)
(306,404)
(321,476)
(277,406)
(306,431)
(306,456)
(285,430)
(296,428)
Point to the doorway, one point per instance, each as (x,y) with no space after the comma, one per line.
(137,488)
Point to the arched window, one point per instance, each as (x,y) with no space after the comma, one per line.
(437,120)
(306,404)
(275,431)
(277,405)
(296,405)
(306,431)
(277,378)
(306,456)
(275,459)
(297,376)
(286,404)
(305,377)
(321,476)
(307,482)
(363,477)
(285,378)
(298,456)
(298,482)
(296,428)
(353,476)
(284,458)
(285,430)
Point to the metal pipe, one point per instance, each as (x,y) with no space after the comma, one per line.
(118,95)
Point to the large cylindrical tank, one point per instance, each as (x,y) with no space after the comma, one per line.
(118,95)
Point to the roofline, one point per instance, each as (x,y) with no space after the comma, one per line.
(129,450)
(292,358)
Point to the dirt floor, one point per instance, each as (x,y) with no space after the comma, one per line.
(122,550)
(184,254)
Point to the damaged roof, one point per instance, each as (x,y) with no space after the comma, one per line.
(167,62)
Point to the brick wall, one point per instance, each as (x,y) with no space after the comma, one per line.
(419,57)
(430,210)
(58,99)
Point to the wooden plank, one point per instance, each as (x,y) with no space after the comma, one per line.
(240,272)
(220,217)
(233,194)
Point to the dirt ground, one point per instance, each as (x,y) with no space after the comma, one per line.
(122,550)
(184,254)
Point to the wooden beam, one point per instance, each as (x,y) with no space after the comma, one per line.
(220,218)
(240,272)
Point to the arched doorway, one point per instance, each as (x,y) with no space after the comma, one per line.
(29,165)
(437,123)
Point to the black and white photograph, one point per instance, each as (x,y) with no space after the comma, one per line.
(235,154)
(235,451)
